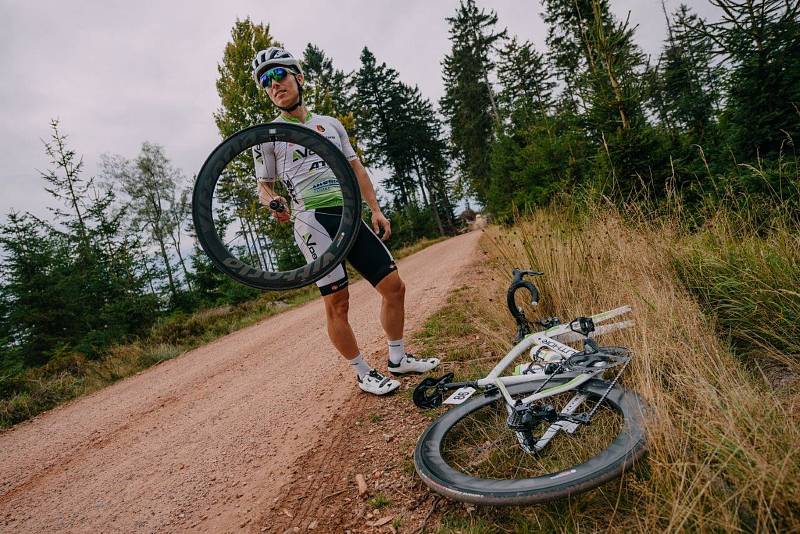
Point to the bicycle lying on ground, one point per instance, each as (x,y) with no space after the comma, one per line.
(552,429)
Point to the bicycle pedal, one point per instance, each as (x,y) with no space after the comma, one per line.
(429,393)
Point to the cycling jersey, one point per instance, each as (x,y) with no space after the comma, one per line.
(317,200)
(311,184)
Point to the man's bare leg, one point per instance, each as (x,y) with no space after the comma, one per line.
(393,313)
(393,291)
(339,331)
(342,337)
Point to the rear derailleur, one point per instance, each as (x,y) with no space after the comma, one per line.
(524,419)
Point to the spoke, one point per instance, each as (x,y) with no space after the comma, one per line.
(235,237)
(317,228)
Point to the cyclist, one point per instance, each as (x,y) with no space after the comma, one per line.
(316,204)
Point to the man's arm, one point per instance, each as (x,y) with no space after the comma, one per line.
(265,192)
(368,192)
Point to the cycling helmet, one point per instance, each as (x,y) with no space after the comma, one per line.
(274,57)
(278,57)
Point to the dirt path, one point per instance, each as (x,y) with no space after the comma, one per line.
(205,441)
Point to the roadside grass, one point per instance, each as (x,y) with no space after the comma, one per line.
(723,445)
(748,277)
(71,375)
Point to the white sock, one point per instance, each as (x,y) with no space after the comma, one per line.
(360,365)
(397,351)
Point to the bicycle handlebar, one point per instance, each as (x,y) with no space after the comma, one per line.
(518,283)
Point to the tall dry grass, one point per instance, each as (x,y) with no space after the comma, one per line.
(723,446)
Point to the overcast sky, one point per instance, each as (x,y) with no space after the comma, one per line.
(118,73)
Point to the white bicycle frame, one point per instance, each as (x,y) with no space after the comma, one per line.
(551,339)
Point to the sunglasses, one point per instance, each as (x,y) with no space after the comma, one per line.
(277,74)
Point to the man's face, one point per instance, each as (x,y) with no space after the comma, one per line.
(284,93)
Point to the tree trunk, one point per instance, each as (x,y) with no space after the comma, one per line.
(176,243)
(165,256)
(250,251)
(433,206)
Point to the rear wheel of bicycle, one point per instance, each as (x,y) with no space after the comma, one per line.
(240,236)
(469,454)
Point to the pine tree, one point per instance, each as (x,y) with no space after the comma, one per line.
(382,118)
(469,100)
(526,83)
(570,50)
(427,151)
(603,71)
(760,41)
(40,291)
(529,159)
(688,81)
(401,133)
(75,286)
(67,186)
(325,90)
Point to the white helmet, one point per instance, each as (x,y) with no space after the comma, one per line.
(274,57)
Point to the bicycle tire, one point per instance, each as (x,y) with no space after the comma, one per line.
(215,248)
(626,449)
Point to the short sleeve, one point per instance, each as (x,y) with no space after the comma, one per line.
(344,139)
(264,161)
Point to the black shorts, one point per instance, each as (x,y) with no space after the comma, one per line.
(369,256)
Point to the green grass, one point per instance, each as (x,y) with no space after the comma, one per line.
(749,281)
(379,501)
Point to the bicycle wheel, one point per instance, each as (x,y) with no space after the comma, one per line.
(239,235)
(469,454)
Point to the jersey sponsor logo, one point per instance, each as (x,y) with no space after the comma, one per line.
(299,154)
(305,153)
(320,128)
(310,244)
(259,154)
(325,184)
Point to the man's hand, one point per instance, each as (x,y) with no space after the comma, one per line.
(279,209)
(378,222)
(277,205)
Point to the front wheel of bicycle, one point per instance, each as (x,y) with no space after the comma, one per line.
(239,234)
(469,454)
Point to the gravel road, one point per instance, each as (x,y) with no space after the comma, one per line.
(205,441)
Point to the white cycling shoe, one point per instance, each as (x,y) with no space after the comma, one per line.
(411,364)
(376,383)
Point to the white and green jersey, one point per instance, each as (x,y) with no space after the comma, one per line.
(310,182)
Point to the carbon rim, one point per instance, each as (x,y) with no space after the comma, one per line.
(256,273)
